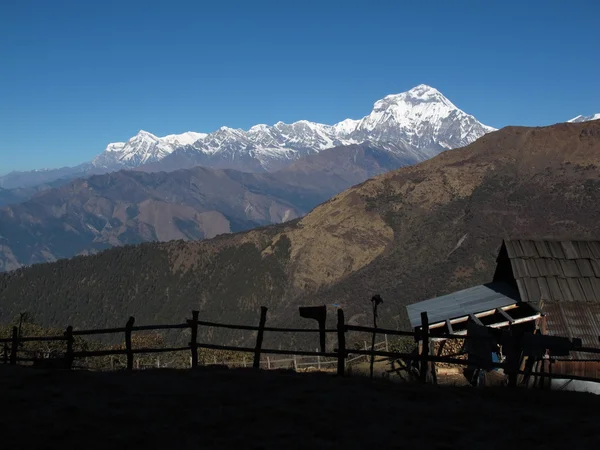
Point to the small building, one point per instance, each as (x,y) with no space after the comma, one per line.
(563,278)
(549,285)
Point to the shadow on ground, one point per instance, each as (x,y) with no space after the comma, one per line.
(218,408)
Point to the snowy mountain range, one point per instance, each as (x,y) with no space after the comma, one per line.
(584,118)
(414,125)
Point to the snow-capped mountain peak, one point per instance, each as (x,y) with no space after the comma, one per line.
(584,118)
(187,138)
(418,123)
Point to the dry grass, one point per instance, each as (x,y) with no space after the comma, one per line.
(280,410)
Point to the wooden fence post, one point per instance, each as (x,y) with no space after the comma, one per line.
(259,337)
(318,361)
(295,364)
(387,347)
(268,363)
(69,354)
(341,332)
(194,339)
(424,346)
(128,327)
(15,346)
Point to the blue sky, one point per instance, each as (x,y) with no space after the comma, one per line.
(76,75)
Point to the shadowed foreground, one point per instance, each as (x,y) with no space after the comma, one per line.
(216,408)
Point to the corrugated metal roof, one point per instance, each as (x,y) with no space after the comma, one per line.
(575,320)
(567,271)
(462,303)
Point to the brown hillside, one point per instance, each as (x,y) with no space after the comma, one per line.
(407,235)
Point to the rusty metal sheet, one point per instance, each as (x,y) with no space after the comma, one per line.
(575,320)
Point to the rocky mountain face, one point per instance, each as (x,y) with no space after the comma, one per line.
(407,235)
(88,215)
(414,126)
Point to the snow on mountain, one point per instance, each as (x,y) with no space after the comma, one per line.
(180,140)
(422,118)
(417,124)
(142,148)
(584,118)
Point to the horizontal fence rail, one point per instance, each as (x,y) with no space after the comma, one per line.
(423,361)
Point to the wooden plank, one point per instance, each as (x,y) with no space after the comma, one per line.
(585,267)
(194,338)
(380,330)
(424,346)
(259,337)
(69,353)
(475,319)
(42,338)
(341,350)
(160,327)
(14,346)
(128,347)
(505,315)
(570,250)
(449,326)
(99,331)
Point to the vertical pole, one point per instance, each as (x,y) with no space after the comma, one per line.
(14,346)
(194,338)
(259,337)
(128,327)
(295,364)
(268,363)
(318,361)
(244,361)
(341,332)
(425,346)
(69,354)
(387,347)
(158,362)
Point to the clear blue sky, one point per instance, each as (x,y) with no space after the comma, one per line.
(76,75)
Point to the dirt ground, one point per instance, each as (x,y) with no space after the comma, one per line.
(242,408)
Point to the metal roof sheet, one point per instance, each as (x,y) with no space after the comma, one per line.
(575,320)
(462,303)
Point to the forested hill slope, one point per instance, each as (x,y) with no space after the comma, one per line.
(410,234)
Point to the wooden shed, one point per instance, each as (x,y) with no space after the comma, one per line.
(562,278)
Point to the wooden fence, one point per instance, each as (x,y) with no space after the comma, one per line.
(339,357)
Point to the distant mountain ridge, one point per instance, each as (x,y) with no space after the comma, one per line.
(414,125)
(408,235)
(128,207)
